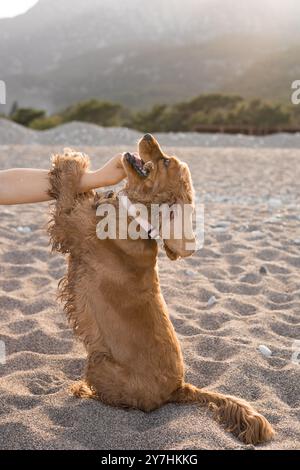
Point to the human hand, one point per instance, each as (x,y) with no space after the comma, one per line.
(114,168)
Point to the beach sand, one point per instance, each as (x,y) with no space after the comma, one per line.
(250,263)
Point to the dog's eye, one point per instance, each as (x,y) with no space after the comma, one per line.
(166,162)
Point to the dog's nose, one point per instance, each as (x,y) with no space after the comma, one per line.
(148,137)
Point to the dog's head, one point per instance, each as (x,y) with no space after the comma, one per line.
(154,177)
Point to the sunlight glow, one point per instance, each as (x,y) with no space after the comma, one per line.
(15,7)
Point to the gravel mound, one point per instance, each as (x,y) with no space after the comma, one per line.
(79,133)
(12,133)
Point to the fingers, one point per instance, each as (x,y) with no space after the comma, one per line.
(118,161)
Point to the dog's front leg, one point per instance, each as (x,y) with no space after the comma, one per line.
(65,227)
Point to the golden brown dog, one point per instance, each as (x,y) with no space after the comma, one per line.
(113,299)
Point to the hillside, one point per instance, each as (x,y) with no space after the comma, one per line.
(141,53)
(270,77)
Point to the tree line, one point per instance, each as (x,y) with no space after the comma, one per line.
(207,112)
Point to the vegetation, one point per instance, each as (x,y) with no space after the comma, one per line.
(215,111)
(25,116)
(46,122)
(98,112)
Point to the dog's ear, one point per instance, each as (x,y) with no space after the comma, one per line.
(181,242)
(171,254)
(180,238)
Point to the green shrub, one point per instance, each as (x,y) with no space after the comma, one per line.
(25,116)
(98,112)
(46,122)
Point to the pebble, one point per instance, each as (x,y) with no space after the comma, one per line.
(189,272)
(256,235)
(21,229)
(263,270)
(211,301)
(244,228)
(274,202)
(220,227)
(274,220)
(265,350)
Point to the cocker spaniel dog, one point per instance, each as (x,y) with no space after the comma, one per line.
(112,295)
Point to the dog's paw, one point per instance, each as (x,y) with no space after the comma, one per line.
(82,390)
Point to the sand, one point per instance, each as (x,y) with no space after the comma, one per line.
(250,263)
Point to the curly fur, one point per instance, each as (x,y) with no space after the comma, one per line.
(113,300)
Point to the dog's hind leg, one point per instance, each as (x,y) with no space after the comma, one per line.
(82,390)
(116,385)
(102,380)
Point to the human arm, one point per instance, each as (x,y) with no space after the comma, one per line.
(26,185)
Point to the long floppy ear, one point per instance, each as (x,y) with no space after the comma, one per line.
(180,241)
(170,254)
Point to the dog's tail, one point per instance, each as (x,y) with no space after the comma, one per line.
(237,415)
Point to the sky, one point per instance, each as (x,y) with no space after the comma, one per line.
(9,8)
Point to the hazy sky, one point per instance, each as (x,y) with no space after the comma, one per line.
(9,8)
(14,7)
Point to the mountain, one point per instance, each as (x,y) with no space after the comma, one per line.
(139,52)
(270,77)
